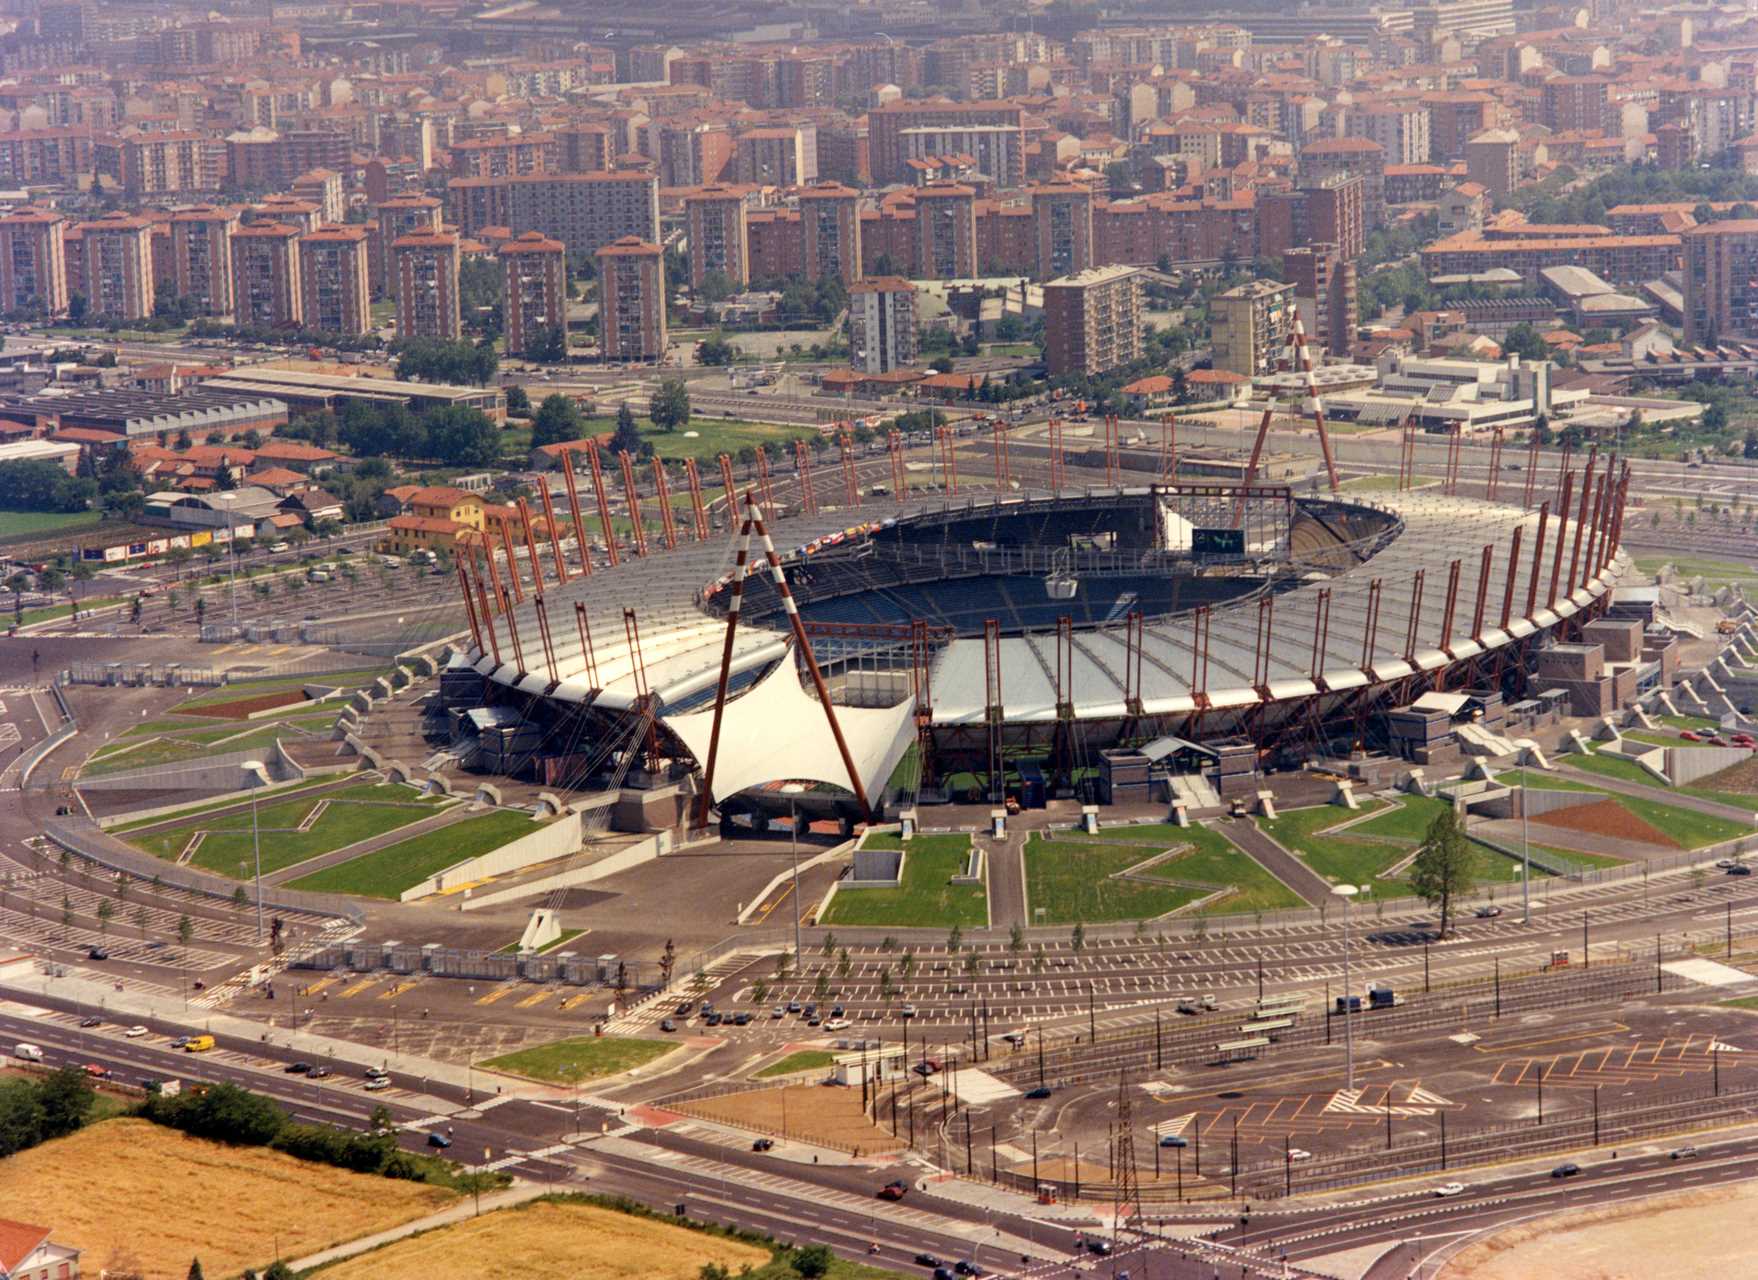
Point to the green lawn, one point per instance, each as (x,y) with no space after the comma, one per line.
(714,436)
(1211,859)
(1653,739)
(804,1060)
(1689,722)
(1382,484)
(50,612)
(1574,857)
(398,867)
(1691,829)
(583,1058)
(176,750)
(1359,855)
(229,841)
(239,690)
(1610,767)
(1742,1002)
(926,898)
(282,792)
(1538,780)
(1069,881)
(1716,571)
(15,525)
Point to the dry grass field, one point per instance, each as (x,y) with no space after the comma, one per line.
(811,1113)
(132,1194)
(582,1242)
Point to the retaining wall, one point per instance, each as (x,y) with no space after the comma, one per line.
(624,859)
(1684,765)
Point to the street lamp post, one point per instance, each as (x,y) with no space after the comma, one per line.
(792,791)
(1346,892)
(258,773)
(1525,859)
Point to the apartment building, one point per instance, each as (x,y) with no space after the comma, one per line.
(1721,281)
(830,232)
(1400,129)
(992,133)
(714,218)
(117,271)
(534,290)
(1324,296)
(397,217)
(946,232)
(1361,158)
(782,156)
(1062,229)
(201,257)
(1251,326)
(334,284)
(1092,321)
(631,300)
(1619,259)
(33,263)
(1492,161)
(425,266)
(265,276)
(153,164)
(881,324)
(585,211)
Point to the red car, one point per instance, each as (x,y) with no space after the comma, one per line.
(96,1072)
(893,1191)
(1688,736)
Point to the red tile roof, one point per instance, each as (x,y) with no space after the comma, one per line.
(18,1240)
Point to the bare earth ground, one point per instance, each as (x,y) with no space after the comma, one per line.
(1740,778)
(1606,818)
(1690,1236)
(579,1241)
(135,1196)
(813,1113)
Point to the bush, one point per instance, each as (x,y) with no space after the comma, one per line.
(34,1111)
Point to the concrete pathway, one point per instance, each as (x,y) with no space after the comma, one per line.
(1681,799)
(1291,871)
(464,1209)
(1007,891)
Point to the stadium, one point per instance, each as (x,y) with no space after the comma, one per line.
(976,634)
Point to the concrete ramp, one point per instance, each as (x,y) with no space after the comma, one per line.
(977,1088)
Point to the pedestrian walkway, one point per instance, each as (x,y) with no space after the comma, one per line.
(465,1208)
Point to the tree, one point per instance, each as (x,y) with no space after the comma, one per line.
(185,930)
(518,403)
(716,350)
(812,1262)
(1526,342)
(547,344)
(670,406)
(716,286)
(954,938)
(106,912)
(195,1270)
(1442,868)
(66,1099)
(1078,939)
(557,419)
(1016,938)
(627,436)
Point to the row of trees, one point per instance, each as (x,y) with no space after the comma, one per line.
(455,360)
(298,337)
(228,1113)
(454,435)
(43,486)
(37,1110)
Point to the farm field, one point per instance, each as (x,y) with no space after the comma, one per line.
(147,1169)
(925,897)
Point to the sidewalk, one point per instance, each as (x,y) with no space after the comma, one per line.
(464,1209)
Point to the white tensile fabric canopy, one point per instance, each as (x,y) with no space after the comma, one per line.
(775,731)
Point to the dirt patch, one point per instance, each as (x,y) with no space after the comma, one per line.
(811,1113)
(1606,818)
(1741,778)
(575,1240)
(167,1198)
(1683,1237)
(244,708)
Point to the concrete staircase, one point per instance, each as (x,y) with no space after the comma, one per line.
(1195,791)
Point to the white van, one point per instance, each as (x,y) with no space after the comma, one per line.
(318,575)
(29,1052)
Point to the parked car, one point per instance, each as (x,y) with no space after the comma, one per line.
(908,1011)
(712,1020)
(741,1019)
(836,1024)
(1041,1092)
(686,1008)
(97,953)
(93,1021)
(319,1073)
(1688,735)
(135,1032)
(779,1011)
(378,1083)
(1488,913)
(1739,869)
(297,1069)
